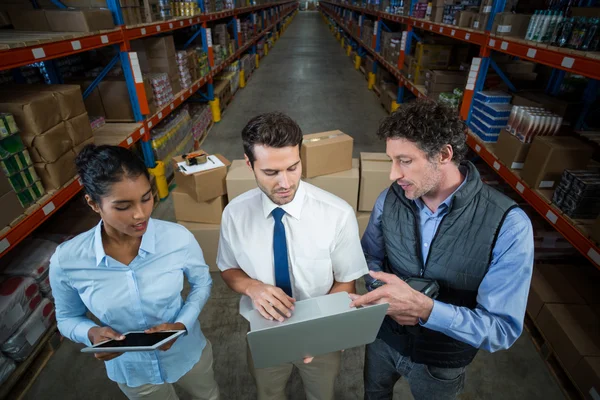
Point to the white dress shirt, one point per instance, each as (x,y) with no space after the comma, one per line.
(321,234)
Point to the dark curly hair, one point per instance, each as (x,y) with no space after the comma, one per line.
(429,125)
(273,129)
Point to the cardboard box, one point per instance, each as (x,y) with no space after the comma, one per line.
(34,113)
(55,175)
(548,285)
(79,20)
(188,209)
(486,6)
(433,55)
(205,185)
(341,184)
(480,21)
(77,149)
(549,156)
(79,128)
(363,222)
(160,47)
(326,153)
(207,236)
(374,178)
(69,98)
(586,375)
(11,208)
(166,65)
(442,76)
(50,145)
(29,20)
(437,14)
(572,330)
(464,19)
(387,98)
(510,25)
(567,110)
(432,87)
(239,179)
(115,100)
(510,150)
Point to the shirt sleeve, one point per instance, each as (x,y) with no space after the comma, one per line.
(225,255)
(497,321)
(372,242)
(69,308)
(347,258)
(198,276)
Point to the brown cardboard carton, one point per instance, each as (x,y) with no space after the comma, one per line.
(510,25)
(69,98)
(549,156)
(29,20)
(341,184)
(205,185)
(572,331)
(548,285)
(480,21)
(50,145)
(207,236)
(188,209)
(387,98)
(79,128)
(464,19)
(486,6)
(374,178)
(55,175)
(34,113)
(115,100)
(11,208)
(437,14)
(586,375)
(510,150)
(325,153)
(442,76)
(363,222)
(239,179)
(79,20)
(160,47)
(80,146)
(165,65)
(433,87)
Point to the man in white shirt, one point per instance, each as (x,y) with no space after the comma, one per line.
(284,241)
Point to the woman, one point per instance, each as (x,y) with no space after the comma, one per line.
(128,272)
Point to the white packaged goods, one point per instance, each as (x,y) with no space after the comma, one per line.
(32,259)
(20,345)
(17,295)
(7,366)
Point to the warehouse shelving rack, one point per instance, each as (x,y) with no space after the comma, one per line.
(345,15)
(273,15)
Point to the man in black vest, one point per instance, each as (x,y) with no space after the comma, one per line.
(439,222)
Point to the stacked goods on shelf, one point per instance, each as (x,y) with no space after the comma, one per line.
(508,24)
(491,116)
(247,32)
(576,32)
(419,10)
(390,46)
(162,92)
(201,120)
(578,194)
(440,81)
(199,200)
(366,33)
(187,63)
(53,124)
(172,136)
(19,297)
(185,8)
(221,43)
(248,65)
(451,99)
(84,20)
(426,56)
(260,47)
(222,91)
(203,65)
(232,72)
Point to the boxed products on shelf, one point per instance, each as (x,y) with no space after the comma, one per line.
(578,193)
(62,20)
(167,136)
(222,91)
(510,24)
(161,88)
(18,297)
(23,340)
(201,120)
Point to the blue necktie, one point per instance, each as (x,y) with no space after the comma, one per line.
(282,270)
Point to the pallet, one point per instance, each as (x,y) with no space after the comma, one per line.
(21,380)
(564,380)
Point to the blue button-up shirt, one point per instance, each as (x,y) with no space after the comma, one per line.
(134,297)
(497,320)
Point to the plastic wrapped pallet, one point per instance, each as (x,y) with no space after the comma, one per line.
(32,259)
(20,345)
(16,295)
(7,366)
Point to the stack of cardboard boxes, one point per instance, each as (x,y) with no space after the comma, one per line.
(439,81)
(89,20)
(54,126)
(427,56)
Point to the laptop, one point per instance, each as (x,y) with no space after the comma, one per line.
(317,326)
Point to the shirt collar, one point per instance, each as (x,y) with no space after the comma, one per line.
(446,203)
(148,244)
(293,208)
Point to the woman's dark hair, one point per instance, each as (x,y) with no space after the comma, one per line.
(429,125)
(101,166)
(272,129)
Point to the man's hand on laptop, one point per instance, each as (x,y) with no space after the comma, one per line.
(271,301)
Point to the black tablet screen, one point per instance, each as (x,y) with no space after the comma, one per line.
(138,340)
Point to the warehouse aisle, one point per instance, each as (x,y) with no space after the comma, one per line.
(309,77)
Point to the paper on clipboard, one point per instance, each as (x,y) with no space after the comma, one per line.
(212,163)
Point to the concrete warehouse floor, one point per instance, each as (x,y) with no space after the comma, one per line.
(308,76)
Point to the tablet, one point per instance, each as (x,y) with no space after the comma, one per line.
(135,341)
